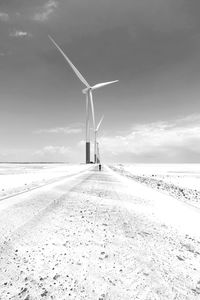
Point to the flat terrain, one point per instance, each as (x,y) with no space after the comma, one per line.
(182,175)
(19,178)
(98,236)
(181,181)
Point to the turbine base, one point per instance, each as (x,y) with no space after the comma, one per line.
(87,151)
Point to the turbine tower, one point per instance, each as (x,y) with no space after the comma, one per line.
(95,141)
(98,154)
(89,99)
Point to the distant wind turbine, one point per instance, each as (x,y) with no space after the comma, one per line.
(98,154)
(95,140)
(89,99)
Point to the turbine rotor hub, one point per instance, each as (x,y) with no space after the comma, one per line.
(86,90)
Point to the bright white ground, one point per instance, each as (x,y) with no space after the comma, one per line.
(183,175)
(98,236)
(16,178)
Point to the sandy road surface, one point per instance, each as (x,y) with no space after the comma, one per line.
(78,239)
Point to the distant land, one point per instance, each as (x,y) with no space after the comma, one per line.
(29,162)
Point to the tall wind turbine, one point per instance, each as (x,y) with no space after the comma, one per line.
(95,141)
(89,99)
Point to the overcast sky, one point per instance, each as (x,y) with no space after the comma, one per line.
(151,46)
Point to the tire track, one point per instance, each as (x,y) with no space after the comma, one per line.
(51,181)
(89,245)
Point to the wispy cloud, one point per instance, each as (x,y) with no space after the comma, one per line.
(4,17)
(53,150)
(20,34)
(170,139)
(44,12)
(72,129)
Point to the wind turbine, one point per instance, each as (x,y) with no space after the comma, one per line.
(89,99)
(98,154)
(95,140)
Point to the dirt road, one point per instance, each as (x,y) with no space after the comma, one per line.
(78,239)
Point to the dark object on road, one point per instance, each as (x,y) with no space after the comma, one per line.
(99,167)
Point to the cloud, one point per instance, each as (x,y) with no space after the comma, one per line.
(45,11)
(53,153)
(53,150)
(20,34)
(4,17)
(167,140)
(72,129)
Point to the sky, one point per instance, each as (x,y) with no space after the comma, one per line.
(152,115)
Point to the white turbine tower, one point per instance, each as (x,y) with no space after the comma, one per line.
(98,154)
(89,99)
(95,140)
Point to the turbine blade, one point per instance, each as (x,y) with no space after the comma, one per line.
(99,123)
(99,85)
(80,76)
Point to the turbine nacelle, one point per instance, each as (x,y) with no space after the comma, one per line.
(85,91)
(97,86)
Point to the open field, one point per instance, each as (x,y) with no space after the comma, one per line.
(181,181)
(97,236)
(17,178)
(183,175)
